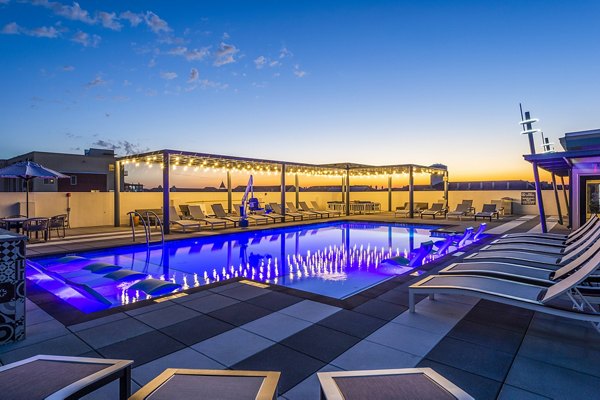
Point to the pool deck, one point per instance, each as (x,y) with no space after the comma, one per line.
(489,350)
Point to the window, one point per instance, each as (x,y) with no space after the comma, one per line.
(73,180)
(48,181)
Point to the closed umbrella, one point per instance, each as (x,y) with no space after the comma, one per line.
(28,170)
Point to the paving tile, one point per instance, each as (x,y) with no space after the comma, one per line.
(37,315)
(244,292)
(37,333)
(167,316)
(309,310)
(321,343)
(185,358)
(192,296)
(113,332)
(212,302)
(109,392)
(67,345)
(274,301)
(233,346)
(564,354)
(239,314)
(226,286)
(552,381)
(477,386)
(564,330)
(194,330)
(501,316)
(500,339)
(276,326)
(294,366)
(472,358)
(398,296)
(352,323)
(509,392)
(381,309)
(369,355)
(148,308)
(433,316)
(310,388)
(405,338)
(143,348)
(97,322)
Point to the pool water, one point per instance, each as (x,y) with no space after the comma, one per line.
(335,259)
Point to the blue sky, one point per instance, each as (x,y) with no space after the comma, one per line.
(377,82)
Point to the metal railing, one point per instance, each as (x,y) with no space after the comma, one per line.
(145,221)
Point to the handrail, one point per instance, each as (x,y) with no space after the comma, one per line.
(160,224)
(132,223)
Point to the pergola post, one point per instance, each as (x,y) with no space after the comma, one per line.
(283,189)
(538,193)
(347,191)
(446,184)
(389,193)
(166,193)
(411,192)
(117,195)
(229,200)
(564,190)
(297,184)
(560,217)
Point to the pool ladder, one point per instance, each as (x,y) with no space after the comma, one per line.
(145,220)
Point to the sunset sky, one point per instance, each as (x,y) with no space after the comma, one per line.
(376,82)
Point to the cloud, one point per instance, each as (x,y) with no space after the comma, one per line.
(74,12)
(260,62)
(133,18)
(152,63)
(86,39)
(177,51)
(225,54)
(109,20)
(226,36)
(97,81)
(284,53)
(155,23)
(168,75)
(43,31)
(298,72)
(197,54)
(4,1)
(68,68)
(194,74)
(128,147)
(126,83)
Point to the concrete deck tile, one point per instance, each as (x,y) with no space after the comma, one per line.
(405,338)
(552,381)
(309,310)
(276,326)
(97,322)
(309,388)
(210,303)
(244,292)
(113,332)
(167,316)
(185,358)
(369,355)
(67,345)
(232,346)
(509,392)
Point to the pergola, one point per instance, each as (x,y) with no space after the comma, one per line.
(169,160)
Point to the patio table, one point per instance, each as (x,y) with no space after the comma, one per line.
(16,222)
(405,383)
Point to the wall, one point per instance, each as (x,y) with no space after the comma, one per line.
(96,209)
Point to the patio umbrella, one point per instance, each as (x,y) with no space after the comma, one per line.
(28,170)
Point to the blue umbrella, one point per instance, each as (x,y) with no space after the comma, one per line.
(28,170)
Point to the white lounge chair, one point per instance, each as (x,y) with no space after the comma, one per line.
(524,295)
(256,218)
(331,212)
(277,209)
(308,214)
(198,215)
(176,219)
(550,238)
(305,207)
(461,210)
(221,214)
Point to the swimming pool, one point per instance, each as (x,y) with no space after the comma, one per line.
(335,259)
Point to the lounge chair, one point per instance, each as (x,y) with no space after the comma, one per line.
(405,383)
(61,377)
(305,207)
(554,249)
(435,210)
(221,214)
(331,212)
(198,215)
(401,210)
(461,210)
(417,208)
(550,238)
(488,211)
(256,218)
(179,383)
(308,214)
(277,209)
(544,275)
(524,295)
